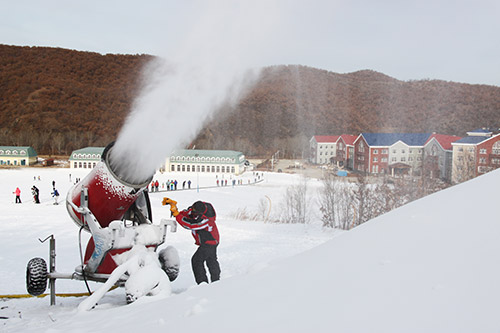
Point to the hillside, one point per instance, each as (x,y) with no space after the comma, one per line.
(57,100)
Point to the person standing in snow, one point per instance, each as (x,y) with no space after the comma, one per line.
(55,195)
(200,219)
(17,192)
(36,194)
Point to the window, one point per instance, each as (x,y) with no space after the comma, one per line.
(188,168)
(393,159)
(375,151)
(223,169)
(384,159)
(183,168)
(385,151)
(232,169)
(85,165)
(496,148)
(178,167)
(482,160)
(375,159)
(403,151)
(172,167)
(482,151)
(403,159)
(410,159)
(202,168)
(394,151)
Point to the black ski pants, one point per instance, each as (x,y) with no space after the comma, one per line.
(205,254)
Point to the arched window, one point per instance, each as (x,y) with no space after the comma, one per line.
(496,148)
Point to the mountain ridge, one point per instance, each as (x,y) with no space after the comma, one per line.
(58,100)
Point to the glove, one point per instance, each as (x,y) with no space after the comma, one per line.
(173,205)
(173,210)
(168,201)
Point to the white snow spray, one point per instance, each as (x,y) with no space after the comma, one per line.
(211,67)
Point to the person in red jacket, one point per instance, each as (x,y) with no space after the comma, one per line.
(200,219)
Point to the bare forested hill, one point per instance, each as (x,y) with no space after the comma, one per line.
(57,100)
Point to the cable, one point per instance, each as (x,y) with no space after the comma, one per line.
(81,260)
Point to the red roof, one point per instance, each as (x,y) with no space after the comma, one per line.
(444,140)
(326,138)
(349,139)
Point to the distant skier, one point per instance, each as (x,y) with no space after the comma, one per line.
(55,195)
(17,192)
(200,219)
(36,194)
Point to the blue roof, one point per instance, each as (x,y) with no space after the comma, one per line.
(471,140)
(480,130)
(388,139)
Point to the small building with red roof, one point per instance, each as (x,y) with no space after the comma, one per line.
(345,151)
(323,149)
(438,156)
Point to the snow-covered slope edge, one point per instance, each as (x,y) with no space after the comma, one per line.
(430,266)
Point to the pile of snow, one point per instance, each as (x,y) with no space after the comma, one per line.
(429,266)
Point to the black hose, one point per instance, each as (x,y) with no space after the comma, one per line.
(81,259)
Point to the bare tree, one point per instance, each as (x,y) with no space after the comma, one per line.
(295,208)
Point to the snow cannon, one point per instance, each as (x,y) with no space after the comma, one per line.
(109,194)
(123,248)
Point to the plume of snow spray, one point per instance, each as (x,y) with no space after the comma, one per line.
(212,67)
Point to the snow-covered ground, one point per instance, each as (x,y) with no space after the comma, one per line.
(430,266)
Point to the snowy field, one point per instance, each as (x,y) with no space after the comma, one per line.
(430,266)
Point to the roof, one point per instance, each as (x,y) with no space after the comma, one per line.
(349,139)
(444,140)
(206,153)
(388,139)
(471,140)
(326,138)
(88,153)
(480,131)
(17,151)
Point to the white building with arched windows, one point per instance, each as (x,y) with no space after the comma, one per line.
(85,158)
(17,156)
(206,161)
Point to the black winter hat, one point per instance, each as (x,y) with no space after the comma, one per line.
(199,208)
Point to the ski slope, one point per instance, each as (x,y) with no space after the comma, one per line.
(429,266)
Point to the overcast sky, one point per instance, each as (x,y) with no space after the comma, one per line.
(452,40)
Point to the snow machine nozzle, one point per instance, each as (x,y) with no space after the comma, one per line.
(110,195)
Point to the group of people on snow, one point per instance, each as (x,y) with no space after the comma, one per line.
(35,192)
(170,185)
